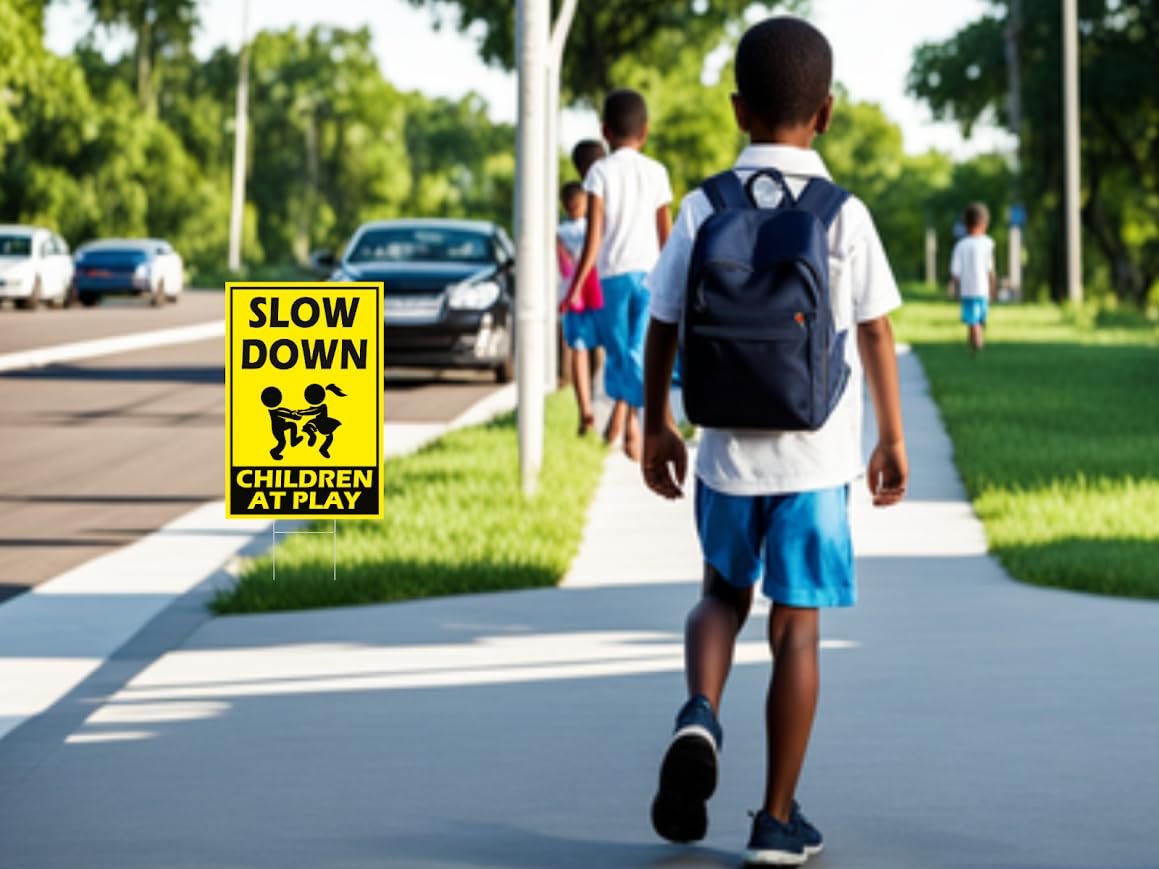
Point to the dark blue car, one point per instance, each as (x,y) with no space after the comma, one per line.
(145,267)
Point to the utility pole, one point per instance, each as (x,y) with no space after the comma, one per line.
(1014,105)
(556,43)
(237,209)
(532,19)
(1070,62)
(931,256)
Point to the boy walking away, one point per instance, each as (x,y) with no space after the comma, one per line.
(628,223)
(579,328)
(774,468)
(972,274)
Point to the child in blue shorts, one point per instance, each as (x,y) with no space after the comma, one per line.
(628,223)
(771,506)
(579,326)
(972,274)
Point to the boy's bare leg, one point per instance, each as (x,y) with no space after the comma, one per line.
(710,635)
(581,381)
(633,438)
(794,635)
(615,425)
(979,337)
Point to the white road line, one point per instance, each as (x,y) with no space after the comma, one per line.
(41,356)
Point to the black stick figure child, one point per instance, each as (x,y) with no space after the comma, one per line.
(279,421)
(322,422)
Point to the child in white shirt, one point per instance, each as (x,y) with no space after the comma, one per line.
(628,223)
(972,273)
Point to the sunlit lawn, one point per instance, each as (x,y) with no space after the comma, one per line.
(456,522)
(1056,435)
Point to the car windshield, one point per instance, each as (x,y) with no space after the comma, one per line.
(421,244)
(15,245)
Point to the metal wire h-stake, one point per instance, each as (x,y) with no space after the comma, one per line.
(333,532)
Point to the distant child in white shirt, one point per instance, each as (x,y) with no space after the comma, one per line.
(579,326)
(972,275)
(628,223)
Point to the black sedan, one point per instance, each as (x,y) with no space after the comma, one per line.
(449,291)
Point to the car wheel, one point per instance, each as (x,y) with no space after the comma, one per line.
(157,297)
(65,298)
(90,300)
(33,299)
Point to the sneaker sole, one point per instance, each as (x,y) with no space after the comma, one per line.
(687,779)
(757,857)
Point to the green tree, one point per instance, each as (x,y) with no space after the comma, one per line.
(604,33)
(157,26)
(964,78)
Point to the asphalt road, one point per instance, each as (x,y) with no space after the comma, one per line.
(101,451)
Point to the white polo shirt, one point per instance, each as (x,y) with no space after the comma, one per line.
(971,263)
(861,288)
(632,187)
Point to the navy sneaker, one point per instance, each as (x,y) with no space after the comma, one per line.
(814,843)
(775,844)
(688,774)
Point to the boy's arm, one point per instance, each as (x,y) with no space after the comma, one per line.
(587,261)
(663,445)
(663,224)
(953,286)
(888,470)
(993,286)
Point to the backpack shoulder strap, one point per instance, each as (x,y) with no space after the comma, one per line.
(724,190)
(823,199)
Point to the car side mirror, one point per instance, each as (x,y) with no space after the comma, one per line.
(323,261)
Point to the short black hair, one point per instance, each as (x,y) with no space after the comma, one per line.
(585,153)
(975,214)
(784,68)
(569,191)
(625,113)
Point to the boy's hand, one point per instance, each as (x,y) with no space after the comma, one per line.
(888,473)
(661,448)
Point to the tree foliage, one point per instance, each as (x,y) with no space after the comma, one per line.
(603,34)
(964,79)
(332,143)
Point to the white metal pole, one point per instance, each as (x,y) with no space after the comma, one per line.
(531,26)
(931,256)
(558,39)
(1015,262)
(1070,55)
(237,209)
(551,210)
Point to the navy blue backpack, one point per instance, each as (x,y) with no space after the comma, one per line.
(759,347)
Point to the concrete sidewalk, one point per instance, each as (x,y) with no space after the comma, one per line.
(966,720)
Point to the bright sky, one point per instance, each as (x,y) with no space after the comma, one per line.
(872,50)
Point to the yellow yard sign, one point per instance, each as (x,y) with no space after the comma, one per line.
(303,400)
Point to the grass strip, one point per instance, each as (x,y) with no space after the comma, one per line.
(456,523)
(1056,435)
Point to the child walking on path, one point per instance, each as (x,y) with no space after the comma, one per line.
(628,223)
(771,504)
(579,327)
(972,274)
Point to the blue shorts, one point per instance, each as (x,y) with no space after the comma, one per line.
(799,543)
(622,323)
(579,330)
(974,311)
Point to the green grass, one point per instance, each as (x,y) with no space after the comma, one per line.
(456,523)
(1056,434)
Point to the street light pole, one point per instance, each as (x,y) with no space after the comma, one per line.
(237,208)
(1070,56)
(556,43)
(531,26)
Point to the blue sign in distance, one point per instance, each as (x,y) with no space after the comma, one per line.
(1018,215)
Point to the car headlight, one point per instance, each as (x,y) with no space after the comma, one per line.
(475,296)
(141,271)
